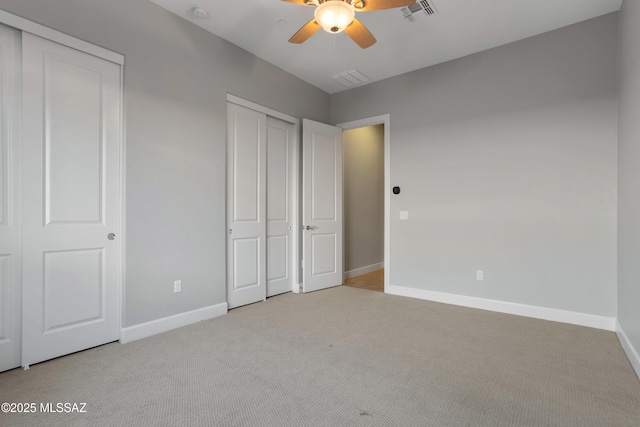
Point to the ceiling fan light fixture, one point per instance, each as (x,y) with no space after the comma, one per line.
(334,15)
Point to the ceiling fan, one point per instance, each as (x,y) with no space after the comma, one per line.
(336,16)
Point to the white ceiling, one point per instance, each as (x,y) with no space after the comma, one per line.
(460,27)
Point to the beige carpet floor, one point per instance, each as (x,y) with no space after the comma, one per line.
(342,357)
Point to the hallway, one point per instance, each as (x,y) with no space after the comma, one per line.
(373,281)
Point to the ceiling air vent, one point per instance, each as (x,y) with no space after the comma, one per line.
(419,9)
(351,78)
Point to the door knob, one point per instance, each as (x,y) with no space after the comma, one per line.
(310,227)
(111,236)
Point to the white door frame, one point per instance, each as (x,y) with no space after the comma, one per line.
(385,120)
(26,25)
(295,254)
(23,24)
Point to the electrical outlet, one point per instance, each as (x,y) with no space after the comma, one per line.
(177,286)
(480,275)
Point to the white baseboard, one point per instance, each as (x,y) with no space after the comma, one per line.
(574,318)
(165,324)
(363,270)
(632,353)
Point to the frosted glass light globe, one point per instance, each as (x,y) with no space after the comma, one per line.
(334,15)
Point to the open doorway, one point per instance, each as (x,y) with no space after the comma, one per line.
(364,206)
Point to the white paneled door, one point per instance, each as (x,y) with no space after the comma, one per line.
(322,205)
(260,206)
(280,205)
(71,200)
(246,189)
(10,304)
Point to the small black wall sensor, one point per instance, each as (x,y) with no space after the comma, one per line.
(396,190)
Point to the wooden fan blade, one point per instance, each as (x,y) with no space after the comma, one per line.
(382,4)
(305,32)
(360,34)
(301,2)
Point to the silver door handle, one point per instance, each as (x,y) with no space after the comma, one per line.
(310,227)
(111,236)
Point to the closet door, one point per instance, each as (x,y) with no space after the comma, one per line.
(71,200)
(10,300)
(246,207)
(280,205)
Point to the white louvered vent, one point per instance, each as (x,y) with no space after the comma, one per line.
(351,78)
(420,9)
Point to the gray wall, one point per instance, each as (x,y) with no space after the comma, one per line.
(176,80)
(507,161)
(363,196)
(629,174)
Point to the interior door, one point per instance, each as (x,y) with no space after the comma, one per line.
(280,209)
(10,300)
(322,205)
(246,194)
(71,200)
